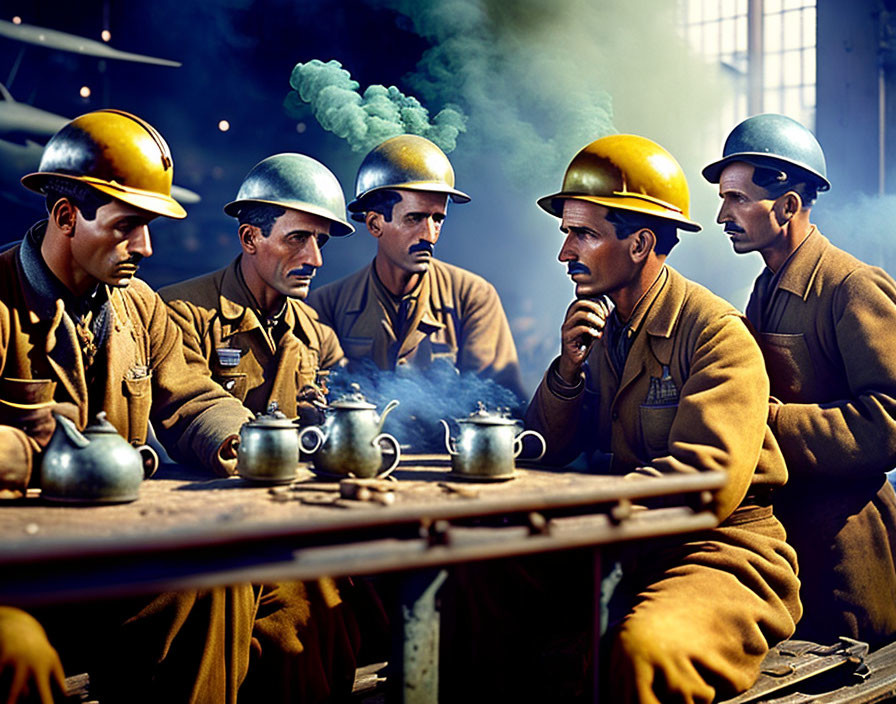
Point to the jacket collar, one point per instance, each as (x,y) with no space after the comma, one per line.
(239,310)
(800,268)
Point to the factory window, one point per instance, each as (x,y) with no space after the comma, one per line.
(766,47)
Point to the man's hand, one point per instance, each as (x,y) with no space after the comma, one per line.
(585,320)
(310,404)
(28,663)
(229,448)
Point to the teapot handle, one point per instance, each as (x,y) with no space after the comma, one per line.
(390,440)
(449,443)
(319,439)
(518,444)
(150,460)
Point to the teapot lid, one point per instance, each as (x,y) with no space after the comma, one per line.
(482,416)
(274,418)
(353,401)
(100,426)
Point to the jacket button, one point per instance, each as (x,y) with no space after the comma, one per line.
(615,415)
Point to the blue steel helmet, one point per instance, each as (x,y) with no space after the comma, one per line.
(409,162)
(773,141)
(298,182)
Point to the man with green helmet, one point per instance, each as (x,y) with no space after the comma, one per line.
(666,381)
(248,326)
(78,330)
(825,322)
(407,307)
(247,323)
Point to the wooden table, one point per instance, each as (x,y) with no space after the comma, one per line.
(187,531)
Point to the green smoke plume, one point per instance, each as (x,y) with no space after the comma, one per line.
(368,119)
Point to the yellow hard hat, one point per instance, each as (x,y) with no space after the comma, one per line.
(116,153)
(626,172)
(406,161)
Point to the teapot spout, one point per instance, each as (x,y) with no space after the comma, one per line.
(448,443)
(386,411)
(67,432)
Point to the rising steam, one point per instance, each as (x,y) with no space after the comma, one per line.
(368,119)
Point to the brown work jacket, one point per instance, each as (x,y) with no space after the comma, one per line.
(827,328)
(694,614)
(457,316)
(689,344)
(216,312)
(143,374)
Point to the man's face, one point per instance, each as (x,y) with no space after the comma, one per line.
(408,240)
(747,211)
(287,259)
(109,248)
(596,259)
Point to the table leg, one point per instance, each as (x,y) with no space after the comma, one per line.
(414,671)
(599,623)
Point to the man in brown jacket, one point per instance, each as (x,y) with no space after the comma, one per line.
(248,326)
(78,329)
(407,307)
(668,381)
(825,322)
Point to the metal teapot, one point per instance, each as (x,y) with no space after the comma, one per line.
(96,466)
(349,442)
(487,445)
(269,448)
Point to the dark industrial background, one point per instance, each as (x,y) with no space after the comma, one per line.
(535,80)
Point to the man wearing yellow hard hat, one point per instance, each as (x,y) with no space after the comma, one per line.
(658,376)
(78,330)
(407,307)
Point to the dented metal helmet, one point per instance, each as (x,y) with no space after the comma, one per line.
(773,141)
(626,172)
(298,182)
(117,154)
(409,162)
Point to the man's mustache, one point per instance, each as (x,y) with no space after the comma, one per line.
(421,246)
(577,268)
(134,259)
(732,227)
(306,270)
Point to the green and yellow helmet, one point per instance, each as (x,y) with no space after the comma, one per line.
(117,154)
(408,162)
(626,172)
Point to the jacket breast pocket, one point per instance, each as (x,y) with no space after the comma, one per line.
(306,371)
(234,383)
(656,424)
(138,396)
(357,347)
(789,365)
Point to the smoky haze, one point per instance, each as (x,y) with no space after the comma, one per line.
(537,80)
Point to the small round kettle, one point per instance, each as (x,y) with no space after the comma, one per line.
(269,448)
(487,446)
(96,466)
(349,442)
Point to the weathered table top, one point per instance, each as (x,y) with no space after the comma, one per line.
(186,530)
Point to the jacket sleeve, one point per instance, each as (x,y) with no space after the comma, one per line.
(486,343)
(558,418)
(720,421)
(854,435)
(191,414)
(331,354)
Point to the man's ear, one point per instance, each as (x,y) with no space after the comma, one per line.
(642,243)
(249,235)
(64,216)
(374,222)
(786,206)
